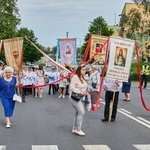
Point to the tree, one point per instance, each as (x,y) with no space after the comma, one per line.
(30,54)
(98,26)
(9,19)
(136,24)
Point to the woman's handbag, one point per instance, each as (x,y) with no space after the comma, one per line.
(76,96)
(94,85)
(17,98)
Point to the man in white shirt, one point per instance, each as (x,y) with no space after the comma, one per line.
(111,86)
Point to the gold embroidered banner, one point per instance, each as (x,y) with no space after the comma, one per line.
(96,42)
(14,52)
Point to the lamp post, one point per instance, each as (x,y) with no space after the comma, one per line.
(67,34)
(99,27)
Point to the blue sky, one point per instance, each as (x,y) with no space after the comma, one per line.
(51,19)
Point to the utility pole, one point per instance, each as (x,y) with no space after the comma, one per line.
(67,34)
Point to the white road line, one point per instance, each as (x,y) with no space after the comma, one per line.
(142,147)
(125,111)
(96,147)
(139,121)
(2,147)
(146,121)
(44,147)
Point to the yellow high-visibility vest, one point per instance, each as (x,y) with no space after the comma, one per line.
(145,70)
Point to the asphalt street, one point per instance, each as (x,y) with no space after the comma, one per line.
(46,124)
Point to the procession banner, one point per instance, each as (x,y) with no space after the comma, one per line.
(96,43)
(46,56)
(14,52)
(67,51)
(120,58)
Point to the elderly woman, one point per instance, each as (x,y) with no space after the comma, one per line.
(7,91)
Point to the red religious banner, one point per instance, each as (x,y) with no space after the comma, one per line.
(96,42)
(13,52)
(120,58)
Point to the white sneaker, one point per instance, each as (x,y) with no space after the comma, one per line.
(8,125)
(63,96)
(60,96)
(79,133)
(73,131)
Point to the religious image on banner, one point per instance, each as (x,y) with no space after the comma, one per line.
(14,52)
(67,51)
(96,43)
(120,58)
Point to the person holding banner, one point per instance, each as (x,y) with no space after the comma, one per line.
(78,85)
(8,85)
(112,88)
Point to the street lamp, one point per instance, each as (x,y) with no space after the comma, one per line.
(67,34)
(99,27)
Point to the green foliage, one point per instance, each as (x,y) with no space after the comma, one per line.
(134,70)
(9,19)
(30,54)
(97,26)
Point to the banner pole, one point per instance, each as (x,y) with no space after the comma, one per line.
(50,59)
(111,108)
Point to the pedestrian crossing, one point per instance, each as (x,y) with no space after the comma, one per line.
(86,147)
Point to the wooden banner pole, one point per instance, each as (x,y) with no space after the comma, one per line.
(111,108)
(50,59)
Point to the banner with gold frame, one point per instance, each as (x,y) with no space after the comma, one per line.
(14,52)
(96,42)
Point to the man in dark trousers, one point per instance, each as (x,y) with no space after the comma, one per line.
(111,86)
(145,73)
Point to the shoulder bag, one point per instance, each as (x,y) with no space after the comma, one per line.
(76,96)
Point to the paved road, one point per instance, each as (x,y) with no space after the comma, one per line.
(46,125)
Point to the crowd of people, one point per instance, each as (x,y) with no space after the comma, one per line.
(32,80)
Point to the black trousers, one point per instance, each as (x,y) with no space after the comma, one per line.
(144,79)
(53,88)
(108,98)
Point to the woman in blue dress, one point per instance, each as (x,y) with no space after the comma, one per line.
(7,91)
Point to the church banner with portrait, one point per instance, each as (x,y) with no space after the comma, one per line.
(96,43)
(120,57)
(67,48)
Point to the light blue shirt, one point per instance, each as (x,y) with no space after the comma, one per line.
(110,84)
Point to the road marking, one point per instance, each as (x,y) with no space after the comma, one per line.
(96,147)
(144,120)
(139,121)
(2,147)
(125,111)
(142,147)
(44,147)
(133,118)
